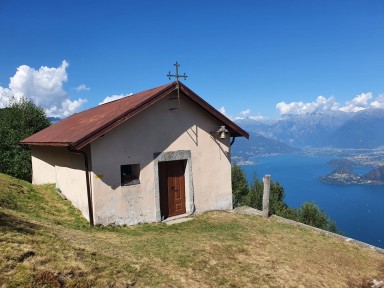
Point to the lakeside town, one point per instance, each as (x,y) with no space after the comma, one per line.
(344,174)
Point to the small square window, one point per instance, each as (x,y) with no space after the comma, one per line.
(130,174)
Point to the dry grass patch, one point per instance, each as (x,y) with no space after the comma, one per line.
(44,242)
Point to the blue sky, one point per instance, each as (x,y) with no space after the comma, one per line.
(245,56)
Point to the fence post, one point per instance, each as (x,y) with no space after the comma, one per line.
(267,185)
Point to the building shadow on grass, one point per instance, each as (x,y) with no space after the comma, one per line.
(10,223)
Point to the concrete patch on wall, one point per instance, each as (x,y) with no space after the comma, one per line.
(125,211)
(189,190)
(223,202)
(108,214)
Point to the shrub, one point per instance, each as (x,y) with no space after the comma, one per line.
(308,213)
(239,186)
(276,197)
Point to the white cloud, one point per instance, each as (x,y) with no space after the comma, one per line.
(44,87)
(379,102)
(288,108)
(243,114)
(82,87)
(256,117)
(246,112)
(322,104)
(224,112)
(360,102)
(113,98)
(6,97)
(66,108)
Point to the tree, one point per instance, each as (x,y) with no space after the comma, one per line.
(18,121)
(239,186)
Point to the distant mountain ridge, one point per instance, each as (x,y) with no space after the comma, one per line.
(364,129)
(54,120)
(258,145)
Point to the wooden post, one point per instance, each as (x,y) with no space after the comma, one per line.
(267,185)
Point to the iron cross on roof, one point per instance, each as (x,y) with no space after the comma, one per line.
(177,76)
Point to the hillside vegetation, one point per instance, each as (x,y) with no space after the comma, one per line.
(45,242)
(20,119)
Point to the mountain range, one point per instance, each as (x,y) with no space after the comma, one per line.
(334,129)
(292,132)
(54,120)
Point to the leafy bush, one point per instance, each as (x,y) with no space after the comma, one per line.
(239,186)
(308,213)
(18,121)
(311,214)
(254,197)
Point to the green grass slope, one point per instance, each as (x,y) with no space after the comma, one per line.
(45,242)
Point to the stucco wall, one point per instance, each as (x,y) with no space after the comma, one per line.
(58,165)
(159,129)
(43,164)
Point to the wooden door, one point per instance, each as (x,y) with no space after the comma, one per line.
(172,188)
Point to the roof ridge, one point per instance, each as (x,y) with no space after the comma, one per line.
(123,114)
(95,107)
(133,94)
(86,126)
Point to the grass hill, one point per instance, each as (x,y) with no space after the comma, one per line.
(45,242)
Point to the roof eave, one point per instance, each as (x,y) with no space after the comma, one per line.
(56,144)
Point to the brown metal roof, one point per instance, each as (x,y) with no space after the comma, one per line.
(82,128)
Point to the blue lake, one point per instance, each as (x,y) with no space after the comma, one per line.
(357,209)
